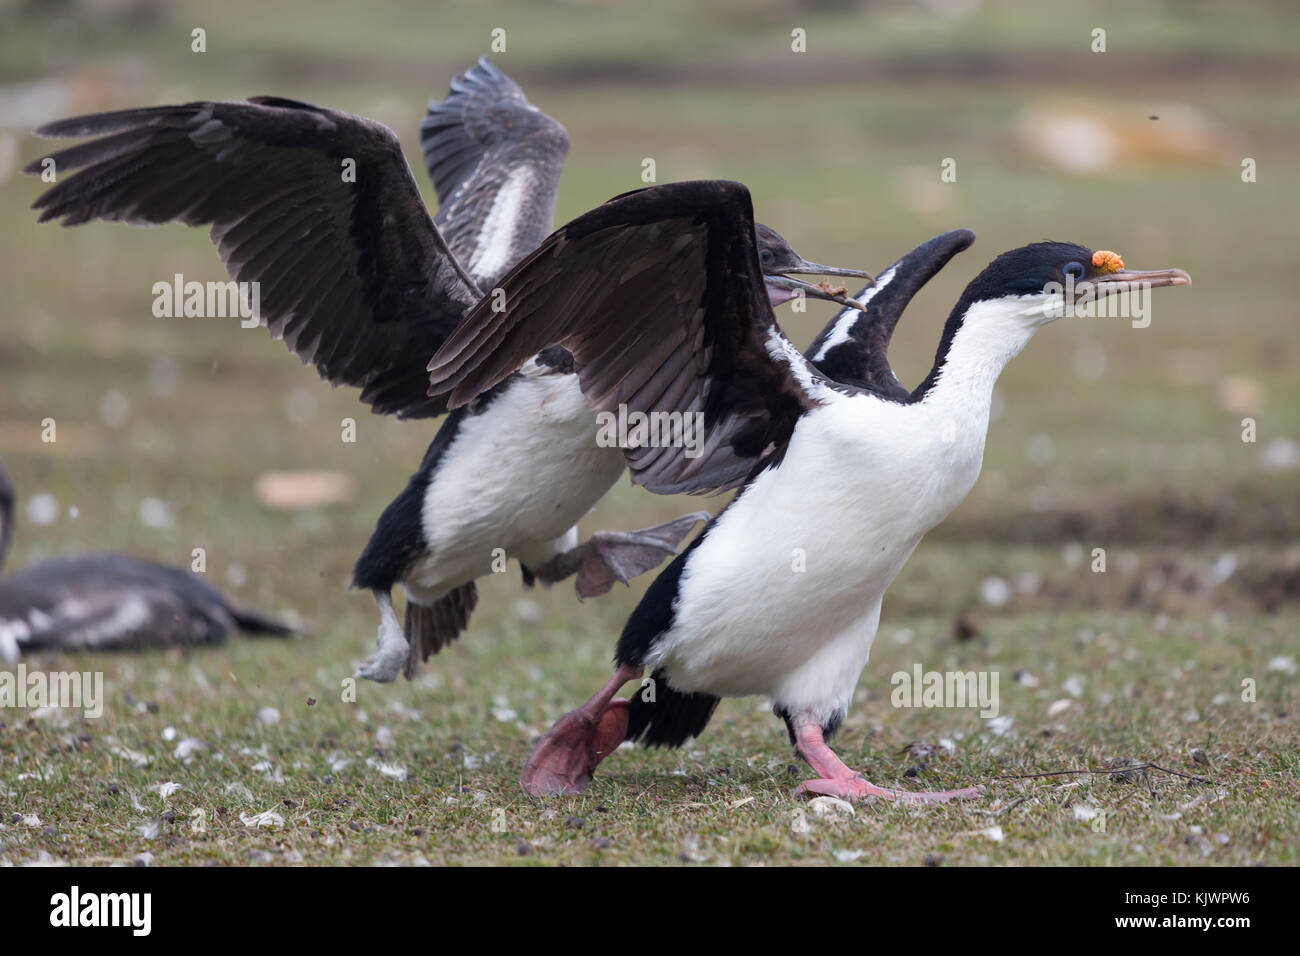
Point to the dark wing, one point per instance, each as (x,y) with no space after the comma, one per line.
(854,347)
(114,602)
(495,160)
(352,272)
(659,296)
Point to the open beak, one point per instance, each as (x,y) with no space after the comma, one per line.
(795,287)
(1126,280)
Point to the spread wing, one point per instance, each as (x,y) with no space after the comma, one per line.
(495,161)
(659,297)
(315,205)
(854,346)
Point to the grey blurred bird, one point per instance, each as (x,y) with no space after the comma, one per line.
(111,602)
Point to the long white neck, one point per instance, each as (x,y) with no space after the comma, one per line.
(991,333)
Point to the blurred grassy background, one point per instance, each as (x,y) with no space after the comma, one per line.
(1105,435)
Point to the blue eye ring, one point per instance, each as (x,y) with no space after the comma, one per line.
(1075,269)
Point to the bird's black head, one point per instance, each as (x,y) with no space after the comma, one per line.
(1029,269)
(1053,271)
(1026,288)
(778,260)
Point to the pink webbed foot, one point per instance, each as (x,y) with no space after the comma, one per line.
(858,788)
(563,761)
(838,780)
(611,556)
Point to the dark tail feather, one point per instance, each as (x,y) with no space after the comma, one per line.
(430,628)
(671,718)
(256,623)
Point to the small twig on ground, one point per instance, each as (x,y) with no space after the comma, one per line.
(1145,766)
(1005,810)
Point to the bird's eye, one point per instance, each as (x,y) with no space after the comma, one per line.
(765,255)
(1075,269)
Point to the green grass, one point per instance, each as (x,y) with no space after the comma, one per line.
(1143,459)
(461,732)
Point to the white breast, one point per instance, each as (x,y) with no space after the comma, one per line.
(516,477)
(861,481)
(783,596)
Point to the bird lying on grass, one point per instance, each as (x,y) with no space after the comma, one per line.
(111,602)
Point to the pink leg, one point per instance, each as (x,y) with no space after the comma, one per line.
(564,760)
(837,780)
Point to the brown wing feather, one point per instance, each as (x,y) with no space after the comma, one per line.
(353,275)
(659,296)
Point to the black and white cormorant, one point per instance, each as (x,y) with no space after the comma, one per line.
(110,602)
(320,208)
(780,595)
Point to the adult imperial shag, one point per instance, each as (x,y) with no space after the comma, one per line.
(320,208)
(849,472)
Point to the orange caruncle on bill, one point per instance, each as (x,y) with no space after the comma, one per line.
(1107,261)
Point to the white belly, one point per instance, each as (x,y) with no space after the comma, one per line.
(783,596)
(517,477)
